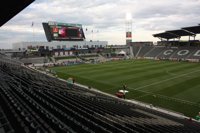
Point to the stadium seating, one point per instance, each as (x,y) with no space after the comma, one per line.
(154,52)
(143,50)
(34,102)
(167,52)
(4,123)
(135,50)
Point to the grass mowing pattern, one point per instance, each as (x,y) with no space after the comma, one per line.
(167,84)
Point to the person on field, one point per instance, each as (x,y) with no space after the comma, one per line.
(124,86)
(124,89)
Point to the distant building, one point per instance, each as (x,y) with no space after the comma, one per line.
(66,45)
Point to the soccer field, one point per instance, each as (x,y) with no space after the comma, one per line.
(167,84)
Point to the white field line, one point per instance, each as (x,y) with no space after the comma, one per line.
(155,83)
(175,74)
(143,95)
(171,73)
(167,98)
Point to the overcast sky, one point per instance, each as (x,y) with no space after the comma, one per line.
(105,16)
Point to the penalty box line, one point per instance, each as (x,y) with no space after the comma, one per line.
(155,83)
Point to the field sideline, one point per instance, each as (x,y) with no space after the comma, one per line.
(167,84)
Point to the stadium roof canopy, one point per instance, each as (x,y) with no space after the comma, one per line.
(166,35)
(10,8)
(193,29)
(187,31)
(181,33)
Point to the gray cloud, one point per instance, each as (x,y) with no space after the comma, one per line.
(105,16)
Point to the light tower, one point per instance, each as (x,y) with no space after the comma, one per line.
(128,28)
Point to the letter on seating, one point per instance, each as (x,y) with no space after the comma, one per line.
(168,52)
(197,53)
(183,52)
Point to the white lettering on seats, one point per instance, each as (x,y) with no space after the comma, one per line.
(197,53)
(183,52)
(168,52)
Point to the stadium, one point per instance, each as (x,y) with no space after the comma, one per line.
(70,85)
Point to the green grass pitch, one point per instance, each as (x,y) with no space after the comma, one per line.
(167,84)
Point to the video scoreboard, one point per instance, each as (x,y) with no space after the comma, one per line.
(63,31)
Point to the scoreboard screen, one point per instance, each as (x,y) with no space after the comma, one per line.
(63,31)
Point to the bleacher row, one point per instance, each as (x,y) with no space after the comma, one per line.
(32,102)
(163,52)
